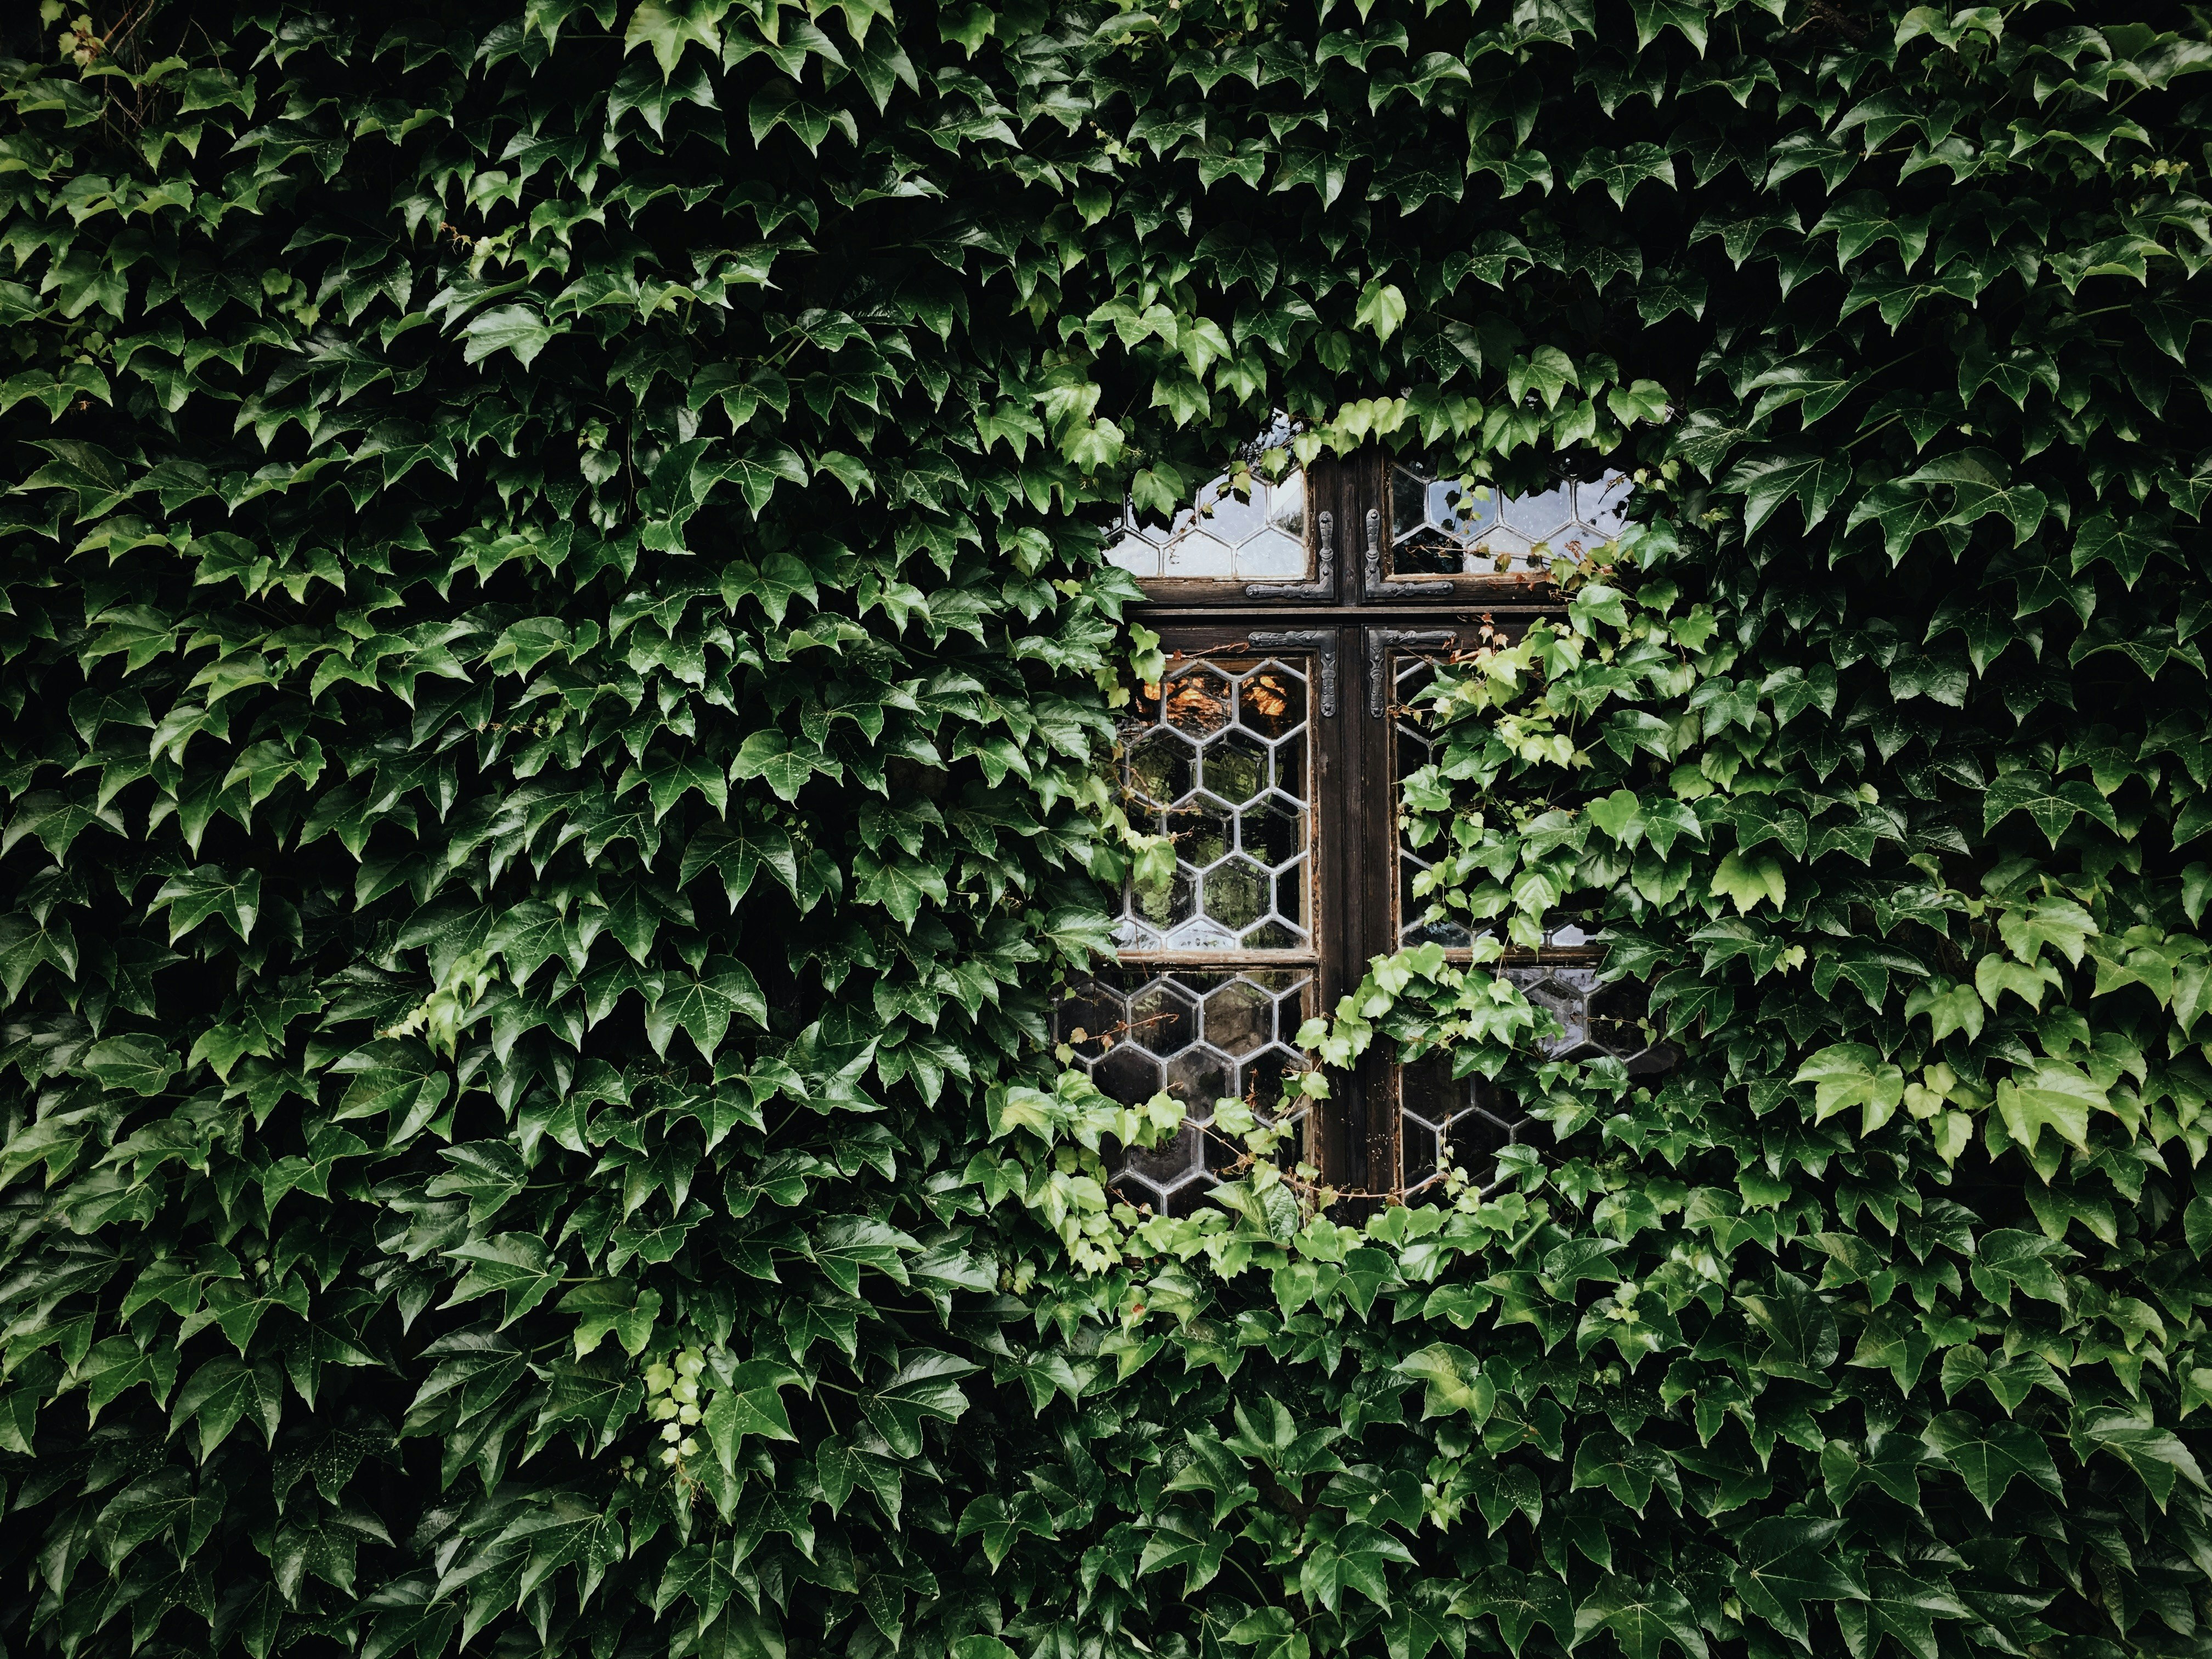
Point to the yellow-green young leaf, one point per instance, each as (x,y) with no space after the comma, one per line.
(2056,1096)
(1994,975)
(1953,1133)
(1093,446)
(1949,1007)
(1848,1074)
(1454,1380)
(1620,816)
(1153,867)
(2062,924)
(1157,489)
(1749,882)
(1382,308)
(1646,400)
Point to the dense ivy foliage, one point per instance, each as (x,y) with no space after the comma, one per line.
(556,691)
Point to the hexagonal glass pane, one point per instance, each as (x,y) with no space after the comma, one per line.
(1473,508)
(1198,701)
(1564,1004)
(1239,1017)
(1501,550)
(1272,700)
(1196,554)
(1200,1078)
(1167,906)
(1417,925)
(1236,767)
(1090,1013)
(1543,514)
(1274,832)
(1156,1176)
(1426,551)
(1162,1017)
(1136,556)
(1617,1021)
(1286,506)
(1160,768)
(1129,1075)
(1600,505)
(1409,499)
(1235,893)
(1232,516)
(1203,829)
(1272,557)
(1200,933)
(1129,934)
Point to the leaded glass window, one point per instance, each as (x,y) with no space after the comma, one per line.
(1219,757)
(1245,530)
(1201,1036)
(1453,527)
(1220,762)
(1305,611)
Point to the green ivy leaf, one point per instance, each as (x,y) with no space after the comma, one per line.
(1748,882)
(703,1008)
(1785,1562)
(670,26)
(924,1386)
(749,1402)
(1382,308)
(513,328)
(1848,1074)
(143,1065)
(1769,481)
(2055,1097)
(2051,805)
(1646,1618)
(1990,1456)
(1454,1379)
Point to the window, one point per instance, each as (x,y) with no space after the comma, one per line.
(1271,751)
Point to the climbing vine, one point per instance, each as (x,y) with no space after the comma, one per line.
(558,683)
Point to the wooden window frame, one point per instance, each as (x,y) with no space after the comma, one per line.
(1348,615)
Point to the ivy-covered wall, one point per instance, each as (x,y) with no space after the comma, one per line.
(557,694)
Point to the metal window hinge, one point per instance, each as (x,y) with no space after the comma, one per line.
(1381,641)
(1323,586)
(1375,587)
(1322,642)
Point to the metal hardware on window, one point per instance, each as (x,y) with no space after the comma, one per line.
(1323,586)
(1374,586)
(1322,642)
(1380,643)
